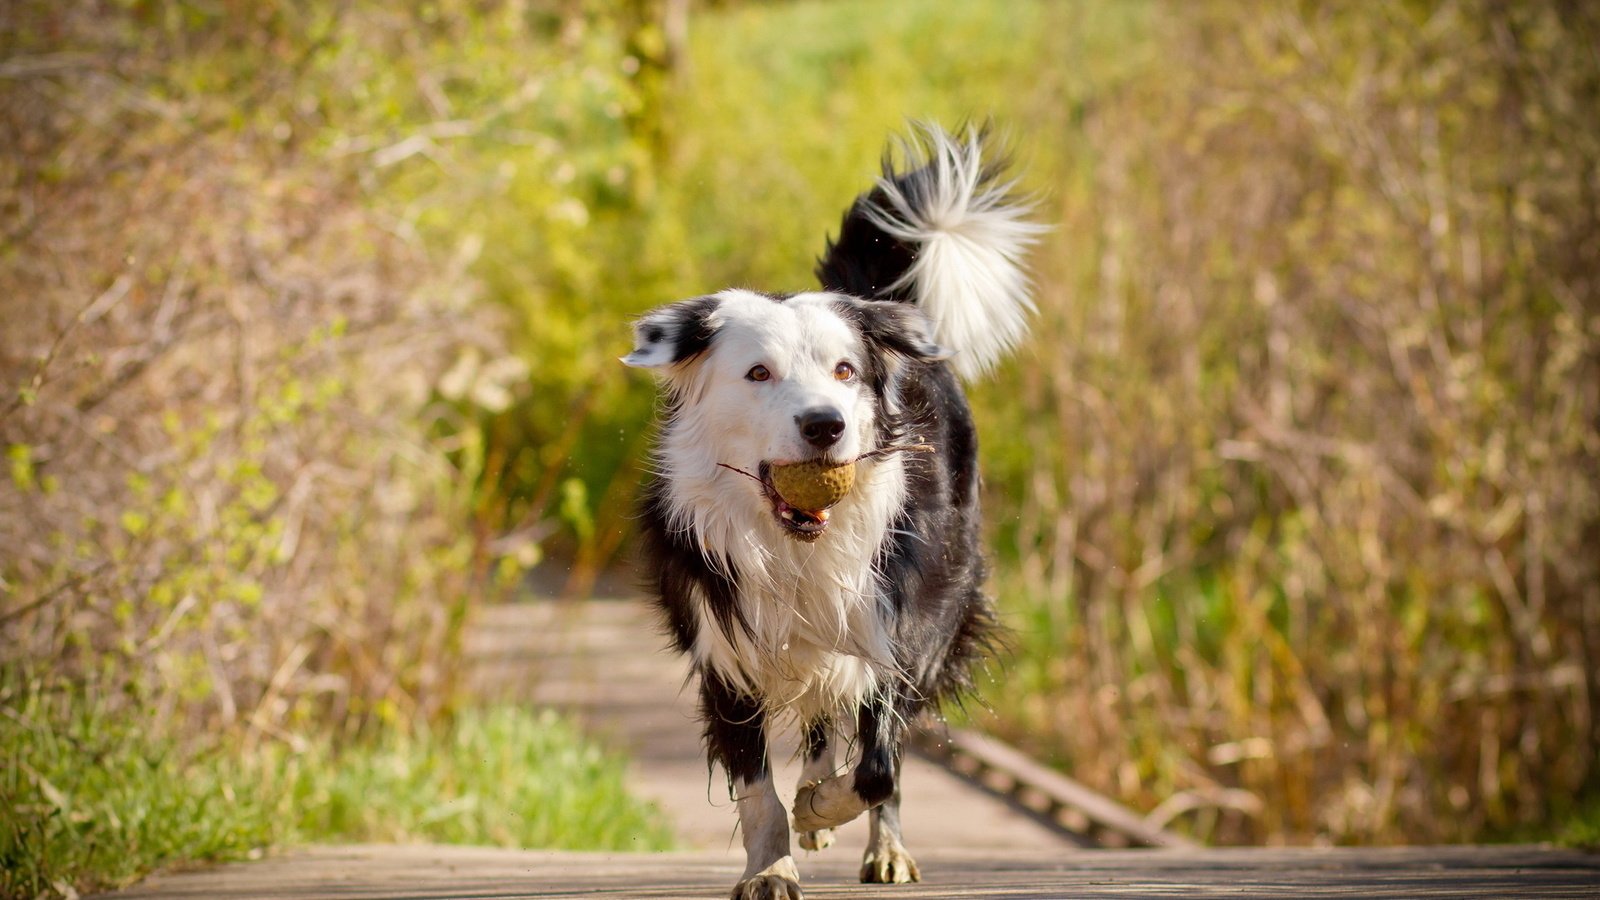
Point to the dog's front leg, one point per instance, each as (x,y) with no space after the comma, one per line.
(736,736)
(834,801)
(886,860)
(819,765)
(877,780)
(769,869)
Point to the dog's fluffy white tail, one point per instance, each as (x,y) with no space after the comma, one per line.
(967,232)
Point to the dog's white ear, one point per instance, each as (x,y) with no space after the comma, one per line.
(652,343)
(672,334)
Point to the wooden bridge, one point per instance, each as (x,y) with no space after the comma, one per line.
(983,820)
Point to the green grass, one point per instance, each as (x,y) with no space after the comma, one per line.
(503,776)
(1575,823)
(89,800)
(1582,828)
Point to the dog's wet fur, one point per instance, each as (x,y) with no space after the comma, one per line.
(851,622)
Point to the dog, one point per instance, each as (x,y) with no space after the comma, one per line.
(859,616)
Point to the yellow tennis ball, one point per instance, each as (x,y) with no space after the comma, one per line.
(814,485)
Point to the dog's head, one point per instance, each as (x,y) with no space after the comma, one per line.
(755,380)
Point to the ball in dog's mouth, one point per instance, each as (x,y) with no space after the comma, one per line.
(801,493)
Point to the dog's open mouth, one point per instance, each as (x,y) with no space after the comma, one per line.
(820,481)
(805,524)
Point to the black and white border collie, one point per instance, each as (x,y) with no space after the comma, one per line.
(848,621)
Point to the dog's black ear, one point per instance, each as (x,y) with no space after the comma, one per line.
(675,333)
(898,328)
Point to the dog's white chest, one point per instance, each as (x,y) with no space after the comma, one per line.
(817,640)
(812,646)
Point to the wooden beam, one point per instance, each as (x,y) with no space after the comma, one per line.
(1072,805)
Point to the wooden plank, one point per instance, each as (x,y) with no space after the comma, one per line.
(993,760)
(468,873)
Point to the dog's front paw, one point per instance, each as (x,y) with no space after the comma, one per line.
(767,887)
(889,864)
(828,803)
(821,839)
(779,881)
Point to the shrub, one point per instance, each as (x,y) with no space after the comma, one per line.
(1306,549)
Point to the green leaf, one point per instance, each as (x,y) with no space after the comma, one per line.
(22,468)
(135,523)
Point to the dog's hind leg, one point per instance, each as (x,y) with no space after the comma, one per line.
(886,860)
(736,736)
(817,764)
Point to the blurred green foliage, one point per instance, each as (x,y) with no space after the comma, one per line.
(766,134)
(253,402)
(94,801)
(1299,512)
(1293,489)
(312,316)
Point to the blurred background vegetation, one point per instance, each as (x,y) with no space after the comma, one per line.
(310,316)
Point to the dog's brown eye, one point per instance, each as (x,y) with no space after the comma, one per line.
(757,373)
(844,371)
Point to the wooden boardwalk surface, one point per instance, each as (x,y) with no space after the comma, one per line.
(600,662)
(603,662)
(458,873)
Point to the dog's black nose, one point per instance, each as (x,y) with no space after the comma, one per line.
(821,426)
